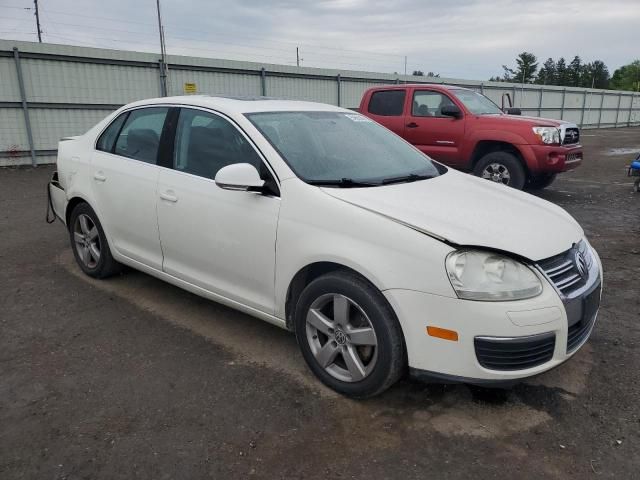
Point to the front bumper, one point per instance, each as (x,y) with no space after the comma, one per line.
(458,361)
(552,158)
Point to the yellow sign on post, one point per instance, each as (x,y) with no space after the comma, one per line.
(190,88)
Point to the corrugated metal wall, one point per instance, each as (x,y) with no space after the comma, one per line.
(69,89)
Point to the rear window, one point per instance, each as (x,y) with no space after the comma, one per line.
(388,103)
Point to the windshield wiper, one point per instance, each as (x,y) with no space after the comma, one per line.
(343,183)
(413,177)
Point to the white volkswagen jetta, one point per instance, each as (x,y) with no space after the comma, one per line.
(321,221)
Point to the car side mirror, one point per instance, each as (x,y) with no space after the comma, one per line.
(513,111)
(239,176)
(451,111)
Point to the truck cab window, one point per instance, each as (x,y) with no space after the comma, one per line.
(429,104)
(388,103)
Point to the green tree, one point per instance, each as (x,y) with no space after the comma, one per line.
(525,72)
(627,77)
(574,72)
(595,74)
(547,74)
(561,72)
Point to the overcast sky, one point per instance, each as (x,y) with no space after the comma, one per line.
(469,39)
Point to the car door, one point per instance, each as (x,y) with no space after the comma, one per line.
(437,135)
(124,173)
(220,240)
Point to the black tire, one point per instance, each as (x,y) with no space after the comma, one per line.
(105,266)
(541,181)
(507,161)
(390,359)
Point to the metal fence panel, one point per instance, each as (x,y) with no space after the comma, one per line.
(315,90)
(9,90)
(68,89)
(213,83)
(72,82)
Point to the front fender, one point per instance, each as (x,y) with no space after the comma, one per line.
(325,229)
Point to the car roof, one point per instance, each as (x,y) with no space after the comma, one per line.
(240,105)
(435,86)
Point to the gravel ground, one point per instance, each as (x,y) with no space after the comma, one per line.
(133,378)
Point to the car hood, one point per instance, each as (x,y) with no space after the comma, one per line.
(525,120)
(469,211)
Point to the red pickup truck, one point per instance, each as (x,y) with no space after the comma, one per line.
(465,130)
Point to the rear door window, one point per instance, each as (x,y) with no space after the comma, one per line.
(108,137)
(140,136)
(387,103)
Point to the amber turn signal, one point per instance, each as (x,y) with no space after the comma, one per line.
(442,333)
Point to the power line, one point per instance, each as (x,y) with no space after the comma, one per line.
(313,55)
(189,28)
(284,52)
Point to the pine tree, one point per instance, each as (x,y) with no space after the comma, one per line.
(574,72)
(547,74)
(526,70)
(561,72)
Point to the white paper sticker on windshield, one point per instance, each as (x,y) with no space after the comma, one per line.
(357,118)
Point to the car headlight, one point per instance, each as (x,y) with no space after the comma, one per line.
(547,135)
(491,277)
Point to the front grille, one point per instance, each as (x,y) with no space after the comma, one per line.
(564,270)
(517,353)
(571,136)
(573,157)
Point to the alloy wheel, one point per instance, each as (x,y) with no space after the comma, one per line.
(87,240)
(497,172)
(341,337)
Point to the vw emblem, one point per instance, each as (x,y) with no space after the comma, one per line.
(581,264)
(341,337)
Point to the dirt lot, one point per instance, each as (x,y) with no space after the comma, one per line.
(133,378)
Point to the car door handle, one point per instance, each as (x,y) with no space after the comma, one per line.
(99,177)
(169,196)
(412,125)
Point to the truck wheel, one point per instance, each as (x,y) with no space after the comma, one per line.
(540,182)
(501,167)
(349,335)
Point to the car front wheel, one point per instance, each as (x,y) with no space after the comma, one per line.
(349,335)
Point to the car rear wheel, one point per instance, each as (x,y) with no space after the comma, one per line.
(541,181)
(501,167)
(89,243)
(349,335)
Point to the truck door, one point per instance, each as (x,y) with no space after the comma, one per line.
(439,136)
(387,108)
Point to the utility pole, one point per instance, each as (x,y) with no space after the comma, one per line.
(297,57)
(405,66)
(35,2)
(163,55)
